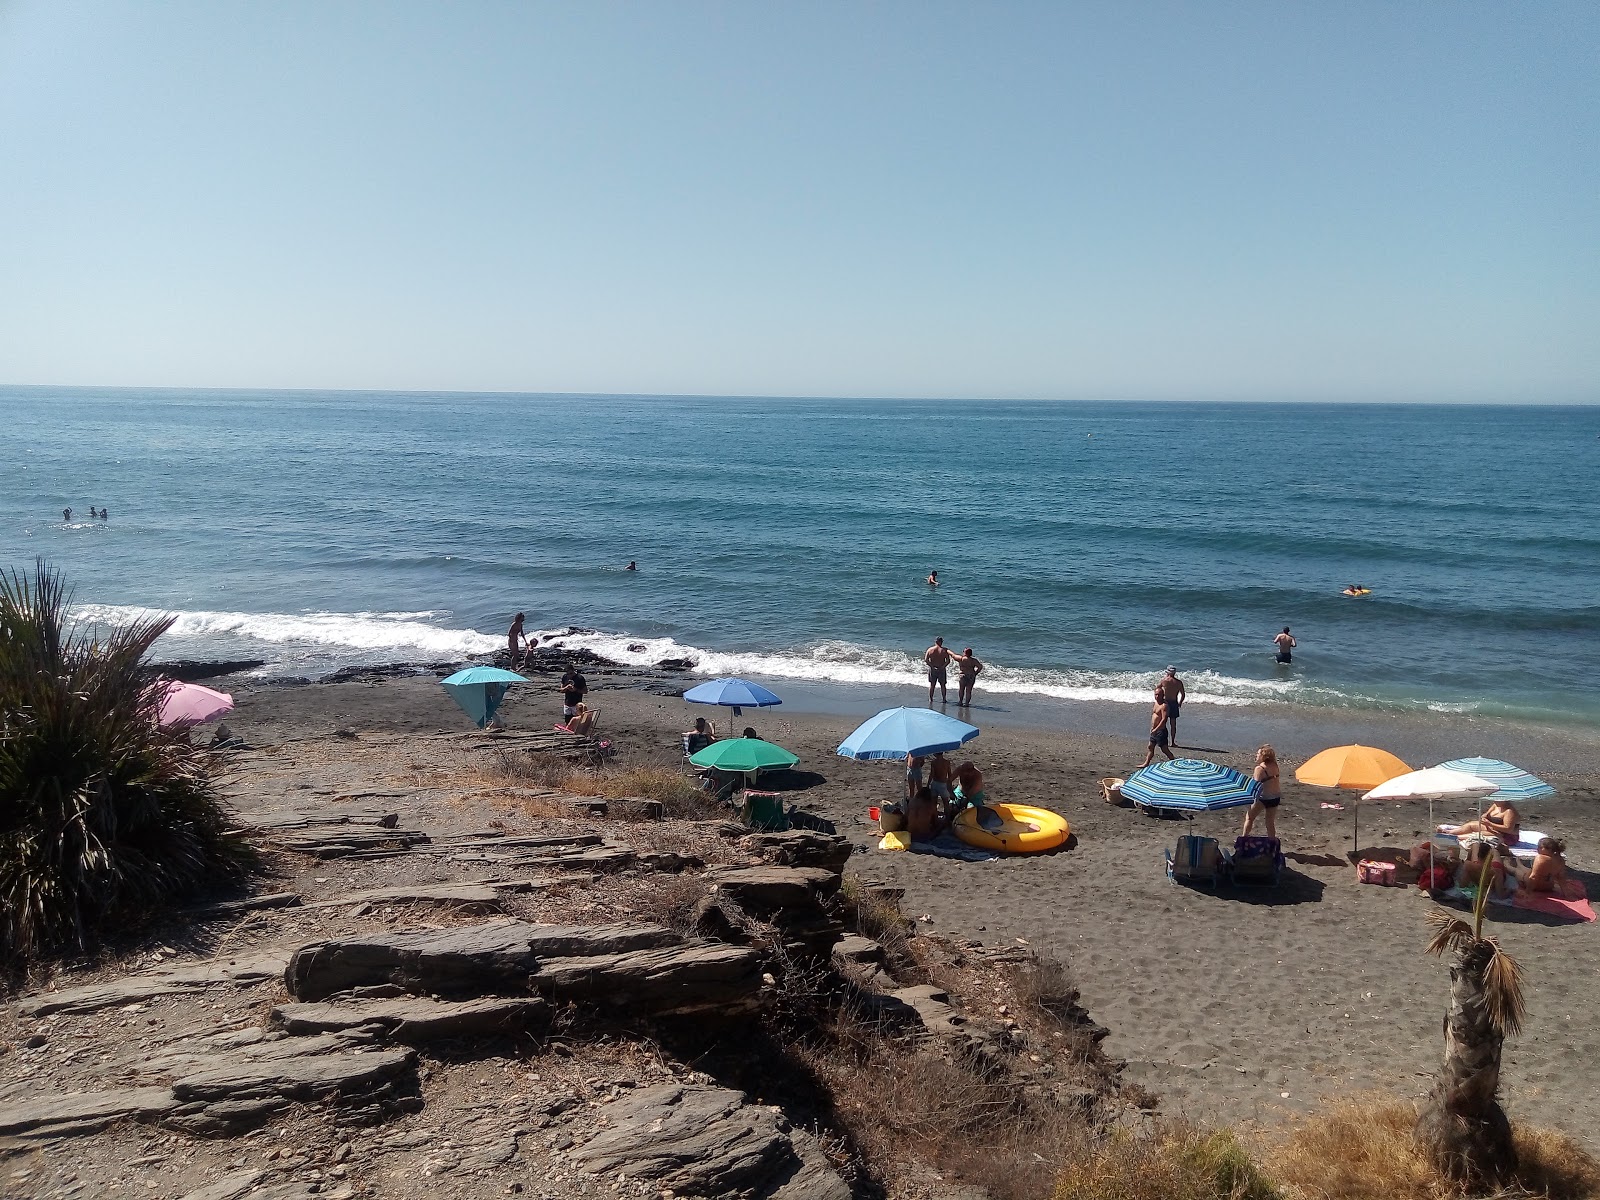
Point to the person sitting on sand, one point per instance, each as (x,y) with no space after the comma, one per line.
(582,721)
(1501,819)
(750,732)
(969,788)
(922,816)
(698,738)
(1549,872)
(1158,729)
(1268,793)
(1470,874)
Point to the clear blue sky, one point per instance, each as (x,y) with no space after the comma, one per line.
(1269,200)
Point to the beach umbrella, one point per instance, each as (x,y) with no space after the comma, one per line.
(1190,784)
(1512,783)
(1430,784)
(743,754)
(191,704)
(898,732)
(479,691)
(732,693)
(1358,768)
(1354,768)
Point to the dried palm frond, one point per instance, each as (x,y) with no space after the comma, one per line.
(1449,932)
(1502,991)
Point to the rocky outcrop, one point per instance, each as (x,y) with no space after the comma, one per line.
(415,1019)
(790,899)
(707,1141)
(44,1117)
(638,969)
(802,848)
(243,971)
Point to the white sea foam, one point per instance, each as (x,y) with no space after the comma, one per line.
(385,634)
(848,662)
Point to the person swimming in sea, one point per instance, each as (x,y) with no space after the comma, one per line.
(632,566)
(933,579)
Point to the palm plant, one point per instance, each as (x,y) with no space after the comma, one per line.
(1462,1126)
(103,814)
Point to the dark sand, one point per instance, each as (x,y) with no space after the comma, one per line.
(1248,1006)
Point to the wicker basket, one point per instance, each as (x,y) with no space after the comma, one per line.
(1111,789)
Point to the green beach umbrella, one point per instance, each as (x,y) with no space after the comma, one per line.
(743,754)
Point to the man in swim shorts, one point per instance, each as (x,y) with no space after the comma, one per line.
(967,668)
(1285,642)
(1158,730)
(1175,695)
(938,660)
(940,774)
(969,787)
(516,641)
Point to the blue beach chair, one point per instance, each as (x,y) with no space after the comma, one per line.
(1196,860)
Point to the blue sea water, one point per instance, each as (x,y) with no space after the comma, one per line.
(1083,546)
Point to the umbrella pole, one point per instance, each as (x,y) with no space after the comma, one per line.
(1355,807)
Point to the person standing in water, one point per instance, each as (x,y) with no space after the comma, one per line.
(1285,642)
(1175,696)
(938,660)
(632,566)
(66,514)
(933,579)
(967,668)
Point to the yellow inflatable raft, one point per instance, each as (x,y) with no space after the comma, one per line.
(1011,828)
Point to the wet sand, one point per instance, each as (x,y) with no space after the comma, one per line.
(1245,1006)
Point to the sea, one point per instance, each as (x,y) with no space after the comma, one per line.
(1081,547)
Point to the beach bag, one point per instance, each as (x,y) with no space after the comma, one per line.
(1438,879)
(1371,870)
(891,819)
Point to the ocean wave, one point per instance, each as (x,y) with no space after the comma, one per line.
(849,662)
(385,633)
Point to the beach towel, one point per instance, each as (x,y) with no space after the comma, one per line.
(948,845)
(1554,906)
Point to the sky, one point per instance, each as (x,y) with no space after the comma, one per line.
(1211,200)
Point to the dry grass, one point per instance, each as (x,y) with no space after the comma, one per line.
(1177,1162)
(878,917)
(1362,1149)
(678,795)
(670,900)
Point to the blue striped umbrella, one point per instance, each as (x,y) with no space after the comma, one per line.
(1191,784)
(1512,782)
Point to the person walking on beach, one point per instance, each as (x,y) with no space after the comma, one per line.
(573,689)
(516,641)
(1175,696)
(1268,792)
(938,660)
(1158,729)
(967,668)
(1285,642)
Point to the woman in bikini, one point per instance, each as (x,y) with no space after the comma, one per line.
(1501,819)
(1549,872)
(1268,793)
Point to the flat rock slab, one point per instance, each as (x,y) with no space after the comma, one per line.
(767,889)
(48,1116)
(705,1141)
(669,981)
(237,972)
(500,957)
(292,818)
(297,1072)
(859,950)
(461,896)
(414,1020)
(346,841)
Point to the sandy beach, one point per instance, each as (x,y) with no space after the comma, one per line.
(1244,1007)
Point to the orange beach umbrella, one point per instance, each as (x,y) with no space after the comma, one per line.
(1356,768)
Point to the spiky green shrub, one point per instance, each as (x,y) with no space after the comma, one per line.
(103,815)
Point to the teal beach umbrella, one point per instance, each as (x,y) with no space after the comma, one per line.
(743,754)
(479,691)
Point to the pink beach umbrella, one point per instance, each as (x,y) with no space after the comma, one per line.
(191,704)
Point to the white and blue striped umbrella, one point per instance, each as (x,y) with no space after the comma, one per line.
(1511,782)
(1191,784)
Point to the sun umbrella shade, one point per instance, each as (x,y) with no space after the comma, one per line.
(191,704)
(1359,768)
(732,693)
(1434,783)
(743,754)
(480,690)
(897,732)
(1512,783)
(1191,784)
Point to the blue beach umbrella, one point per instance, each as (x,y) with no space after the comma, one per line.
(1191,784)
(1511,782)
(897,732)
(732,693)
(479,691)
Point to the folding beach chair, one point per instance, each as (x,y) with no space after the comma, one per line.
(1196,860)
(764,810)
(1256,860)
